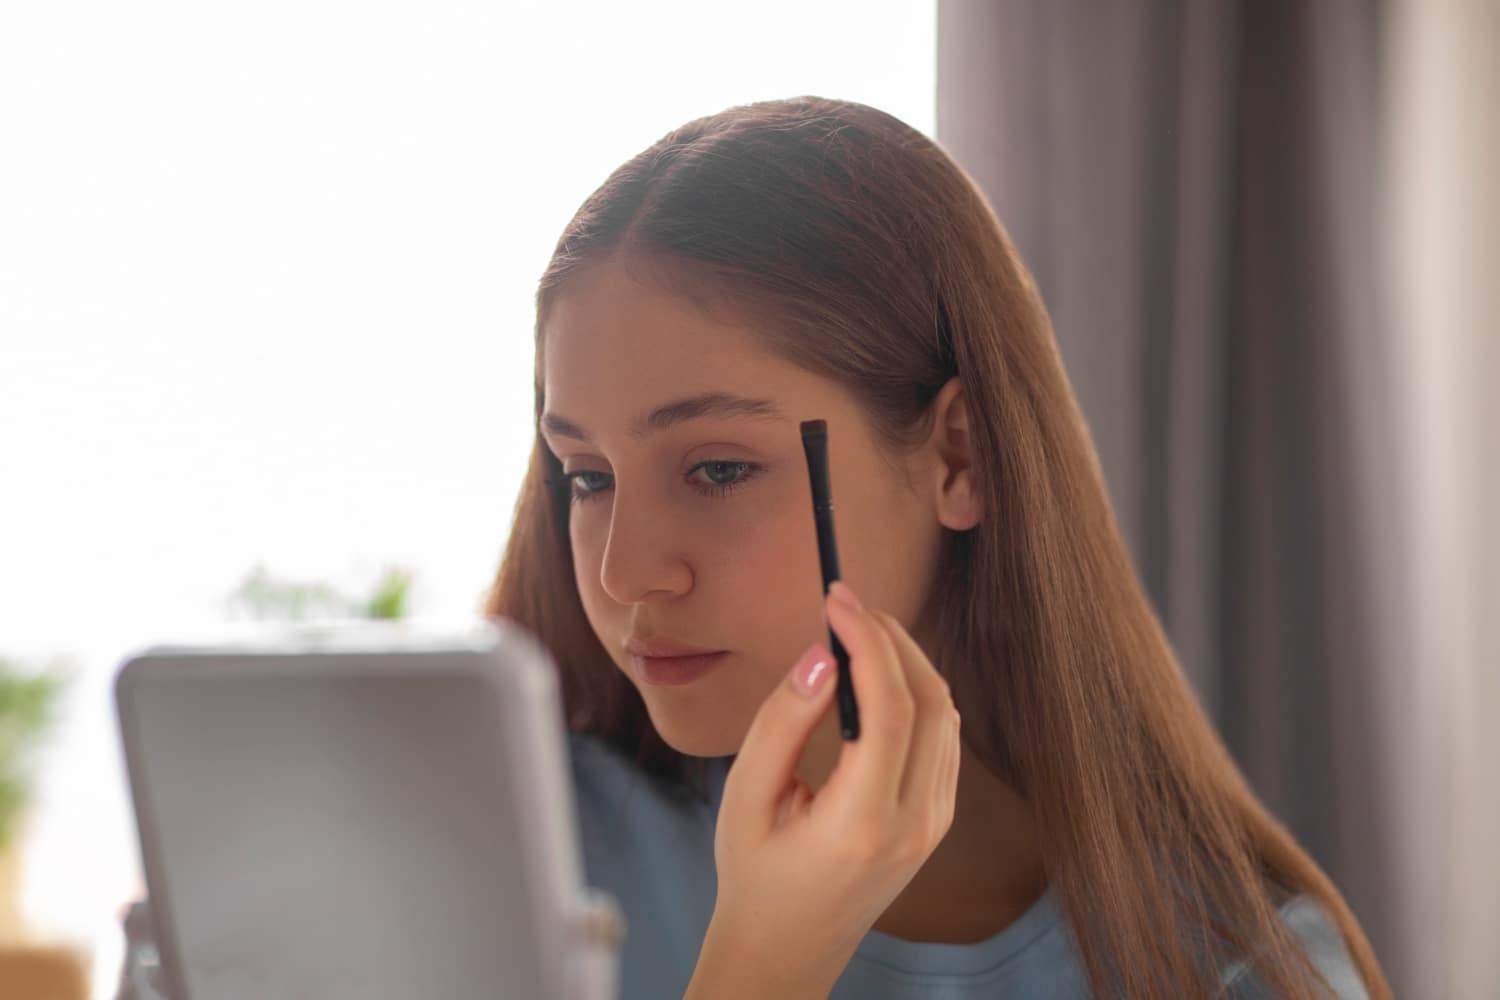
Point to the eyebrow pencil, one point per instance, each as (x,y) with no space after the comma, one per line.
(815,444)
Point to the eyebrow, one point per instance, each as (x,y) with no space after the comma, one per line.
(722,405)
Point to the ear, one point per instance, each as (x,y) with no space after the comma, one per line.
(959,505)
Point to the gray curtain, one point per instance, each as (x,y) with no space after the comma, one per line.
(1194,187)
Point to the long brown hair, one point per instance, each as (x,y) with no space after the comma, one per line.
(868,256)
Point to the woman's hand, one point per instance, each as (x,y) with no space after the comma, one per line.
(802,876)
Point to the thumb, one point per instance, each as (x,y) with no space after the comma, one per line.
(767,761)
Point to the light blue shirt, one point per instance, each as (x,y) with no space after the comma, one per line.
(655,854)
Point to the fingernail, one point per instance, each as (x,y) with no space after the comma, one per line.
(841,590)
(812,671)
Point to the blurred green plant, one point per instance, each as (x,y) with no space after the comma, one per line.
(269,598)
(29,704)
(390,598)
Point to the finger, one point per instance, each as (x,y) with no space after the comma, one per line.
(927,684)
(928,755)
(957,770)
(871,766)
(767,760)
(794,803)
(946,790)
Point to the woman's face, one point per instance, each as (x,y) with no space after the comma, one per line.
(701,529)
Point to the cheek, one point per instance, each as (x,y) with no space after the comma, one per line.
(887,551)
(774,587)
(587,554)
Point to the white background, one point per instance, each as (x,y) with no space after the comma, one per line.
(265,298)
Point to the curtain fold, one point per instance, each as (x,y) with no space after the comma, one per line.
(1195,187)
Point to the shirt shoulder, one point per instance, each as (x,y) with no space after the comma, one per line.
(1315,929)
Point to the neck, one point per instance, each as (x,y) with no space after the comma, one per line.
(985,872)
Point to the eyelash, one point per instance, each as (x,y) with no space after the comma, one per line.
(749,469)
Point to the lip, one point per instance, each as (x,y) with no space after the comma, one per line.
(675,669)
(660,647)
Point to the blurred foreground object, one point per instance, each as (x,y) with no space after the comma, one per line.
(140,975)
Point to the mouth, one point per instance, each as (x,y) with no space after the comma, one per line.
(668,670)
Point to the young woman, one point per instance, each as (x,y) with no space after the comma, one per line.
(1082,829)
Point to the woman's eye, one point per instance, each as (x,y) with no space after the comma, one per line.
(719,479)
(723,477)
(577,491)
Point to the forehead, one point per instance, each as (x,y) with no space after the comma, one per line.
(613,344)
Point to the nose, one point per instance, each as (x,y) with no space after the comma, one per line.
(640,556)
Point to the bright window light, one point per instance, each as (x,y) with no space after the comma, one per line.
(266,278)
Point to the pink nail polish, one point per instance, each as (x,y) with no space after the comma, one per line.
(812,670)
